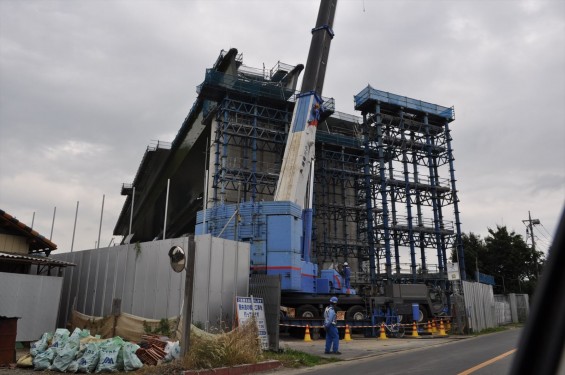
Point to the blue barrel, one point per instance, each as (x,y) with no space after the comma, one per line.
(415,312)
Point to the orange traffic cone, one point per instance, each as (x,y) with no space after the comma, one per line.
(429,327)
(441,329)
(448,325)
(307,334)
(434,328)
(347,333)
(415,330)
(383,334)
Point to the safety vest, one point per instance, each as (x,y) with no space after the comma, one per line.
(329,319)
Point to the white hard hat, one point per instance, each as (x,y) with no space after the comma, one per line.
(345,264)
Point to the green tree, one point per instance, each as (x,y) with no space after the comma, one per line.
(512,262)
(474,250)
(504,255)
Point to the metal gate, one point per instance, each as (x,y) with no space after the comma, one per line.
(269,288)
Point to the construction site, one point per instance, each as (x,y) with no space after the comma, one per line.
(384,181)
(271,207)
(380,186)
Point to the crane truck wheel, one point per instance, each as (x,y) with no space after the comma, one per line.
(306,312)
(424,315)
(355,312)
(422,318)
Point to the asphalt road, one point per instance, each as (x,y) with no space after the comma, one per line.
(482,355)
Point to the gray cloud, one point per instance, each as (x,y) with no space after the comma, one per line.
(85,86)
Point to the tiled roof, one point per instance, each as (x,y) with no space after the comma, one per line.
(37,243)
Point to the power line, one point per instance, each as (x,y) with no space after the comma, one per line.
(543,235)
(546,231)
(543,242)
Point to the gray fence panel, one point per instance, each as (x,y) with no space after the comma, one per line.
(148,287)
(100,283)
(513,307)
(84,268)
(128,283)
(479,302)
(34,299)
(218,263)
(244,260)
(522,307)
(201,285)
(215,299)
(74,278)
(108,277)
(120,266)
(66,287)
(503,315)
(269,288)
(144,287)
(161,283)
(229,281)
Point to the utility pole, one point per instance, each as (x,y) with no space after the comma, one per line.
(530,228)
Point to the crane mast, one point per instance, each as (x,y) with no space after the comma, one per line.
(299,152)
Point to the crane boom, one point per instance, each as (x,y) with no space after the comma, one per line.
(299,150)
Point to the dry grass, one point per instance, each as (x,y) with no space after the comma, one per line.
(237,347)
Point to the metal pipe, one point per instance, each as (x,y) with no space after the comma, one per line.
(373,259)
(53,223)
(381,156)
(205,197)
(459,243)
(131,211)
(74,228)
(100,227)
(166,208)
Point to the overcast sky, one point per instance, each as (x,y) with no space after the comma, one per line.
(85,86)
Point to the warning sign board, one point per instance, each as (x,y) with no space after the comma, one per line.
(453,271)
(253,306)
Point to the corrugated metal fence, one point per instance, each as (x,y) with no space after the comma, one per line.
(485,310)
(268,287)
(141,277)
(33,299)
(479,303)
(503,313)
(512,308)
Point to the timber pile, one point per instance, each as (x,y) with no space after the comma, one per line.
(152,350)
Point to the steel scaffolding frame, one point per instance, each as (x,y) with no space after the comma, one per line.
(408,141)
(248,146)
(381,187)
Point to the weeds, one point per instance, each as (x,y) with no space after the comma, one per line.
(240,346)
(293,359)
(237,347)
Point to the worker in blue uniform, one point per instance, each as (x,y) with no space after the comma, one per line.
(346,275)
(330,325)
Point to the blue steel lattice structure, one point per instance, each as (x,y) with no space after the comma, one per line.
(414,137)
